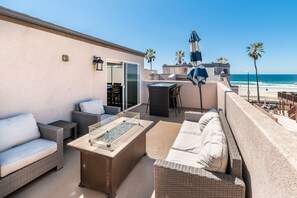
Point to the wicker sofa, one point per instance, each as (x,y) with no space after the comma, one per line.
(28,150)
(85,119)
(175,180)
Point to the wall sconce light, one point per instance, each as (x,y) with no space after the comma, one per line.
(65,58)
(98,62)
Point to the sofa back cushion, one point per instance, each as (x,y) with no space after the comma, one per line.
(17,130)
(212,113)
(213,155)
(92,106)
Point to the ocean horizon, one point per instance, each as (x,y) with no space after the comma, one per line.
(287,81)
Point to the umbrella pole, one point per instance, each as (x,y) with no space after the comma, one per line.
(199,85)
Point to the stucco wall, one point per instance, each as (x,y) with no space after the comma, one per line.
(221,93)
(190,93)
(34,79)
(268,150)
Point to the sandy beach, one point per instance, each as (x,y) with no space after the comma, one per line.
(270,94)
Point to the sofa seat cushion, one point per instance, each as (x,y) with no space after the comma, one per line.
(213,154)
(92,106)
(212,113)
(182,157)
(187,142)
(25,154)
(17,130)
(190,127)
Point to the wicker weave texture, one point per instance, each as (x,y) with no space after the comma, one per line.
(84,120)
(173,180)
(235,159)
(25,175)
(193,116)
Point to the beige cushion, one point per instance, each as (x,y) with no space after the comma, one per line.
(187,142)
(20,156)
(190,127)
(213,124)
(213,154)
(92,106)
(182,157)
(17,130)
(212,113)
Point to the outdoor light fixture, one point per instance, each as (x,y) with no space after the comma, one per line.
(98,62)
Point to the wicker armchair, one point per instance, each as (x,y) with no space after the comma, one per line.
(177,180)
(84,120)
(19,178)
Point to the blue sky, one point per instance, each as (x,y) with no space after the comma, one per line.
(226,27)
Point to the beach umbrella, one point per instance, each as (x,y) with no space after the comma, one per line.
(198,74)
(196,58)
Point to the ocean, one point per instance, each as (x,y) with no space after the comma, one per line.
(287,81)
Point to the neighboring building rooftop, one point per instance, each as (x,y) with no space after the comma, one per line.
(204,64)
(23,19)
(215,70)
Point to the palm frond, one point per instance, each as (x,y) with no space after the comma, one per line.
(254,50)
(150,55)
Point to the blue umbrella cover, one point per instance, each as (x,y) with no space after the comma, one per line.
(191,78)
(200,74)
(194,37)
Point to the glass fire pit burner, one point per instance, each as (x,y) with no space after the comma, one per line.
(113,134)
(116,132)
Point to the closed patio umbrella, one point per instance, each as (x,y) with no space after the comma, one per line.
(198,73)
(196,58)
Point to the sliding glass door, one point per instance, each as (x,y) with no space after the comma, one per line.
(132,85)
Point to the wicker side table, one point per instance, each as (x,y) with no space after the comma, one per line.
(68,128)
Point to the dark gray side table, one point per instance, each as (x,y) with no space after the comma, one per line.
(69,128)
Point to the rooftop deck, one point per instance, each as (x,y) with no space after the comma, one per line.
(138,184)
(49,88)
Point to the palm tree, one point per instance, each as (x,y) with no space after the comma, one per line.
(222,60)
(254,51)
(179,57)
(150,56)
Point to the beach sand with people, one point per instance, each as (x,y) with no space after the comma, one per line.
(270,94)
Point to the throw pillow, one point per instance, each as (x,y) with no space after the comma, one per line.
(92,106)
(212,113)
(213,124)
(213,155)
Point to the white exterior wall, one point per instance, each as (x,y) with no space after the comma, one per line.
(34,79)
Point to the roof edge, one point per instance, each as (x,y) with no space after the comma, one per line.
(35,21)
(205,64)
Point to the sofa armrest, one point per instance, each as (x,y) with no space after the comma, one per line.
(111,110)
(54,133)
(76,115)
(49,132)
(177,180)
(84,120)
(193,116)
